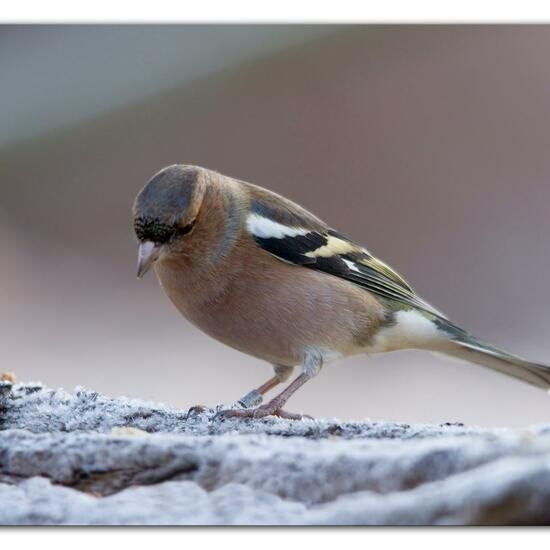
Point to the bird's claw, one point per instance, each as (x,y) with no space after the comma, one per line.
(259,412)
(196,410)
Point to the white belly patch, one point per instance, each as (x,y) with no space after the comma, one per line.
(411,330)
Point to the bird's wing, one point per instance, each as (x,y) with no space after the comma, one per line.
(293,235)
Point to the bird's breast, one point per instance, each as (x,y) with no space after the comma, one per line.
(277,312)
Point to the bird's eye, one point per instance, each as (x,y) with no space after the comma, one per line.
(186,229)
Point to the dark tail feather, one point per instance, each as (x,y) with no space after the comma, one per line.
(472,350)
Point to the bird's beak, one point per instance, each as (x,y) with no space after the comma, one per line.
(147,255)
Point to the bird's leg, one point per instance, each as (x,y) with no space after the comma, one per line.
(254,397)
(312,365)
(275,406)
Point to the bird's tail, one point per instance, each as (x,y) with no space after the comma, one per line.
(465,346)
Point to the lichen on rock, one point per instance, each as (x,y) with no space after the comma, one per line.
(84,458)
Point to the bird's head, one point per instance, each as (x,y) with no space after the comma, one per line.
(165,213)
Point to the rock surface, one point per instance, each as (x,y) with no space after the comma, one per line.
(84,458)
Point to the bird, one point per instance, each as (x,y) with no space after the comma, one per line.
(263,275)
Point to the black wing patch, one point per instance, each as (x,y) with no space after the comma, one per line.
(293,249)
(332,253)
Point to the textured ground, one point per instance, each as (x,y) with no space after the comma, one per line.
(84,458)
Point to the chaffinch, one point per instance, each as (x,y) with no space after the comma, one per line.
(265,276)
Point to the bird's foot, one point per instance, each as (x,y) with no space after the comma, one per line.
(268,409)
(196,410)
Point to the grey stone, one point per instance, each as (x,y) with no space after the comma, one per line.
(84,458)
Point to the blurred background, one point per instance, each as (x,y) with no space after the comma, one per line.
(427,144)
